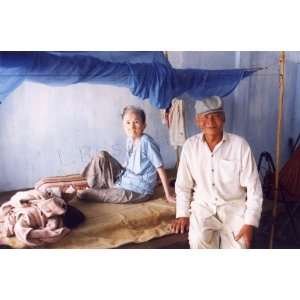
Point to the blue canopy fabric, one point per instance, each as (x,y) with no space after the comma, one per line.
(120,56)
(148,75)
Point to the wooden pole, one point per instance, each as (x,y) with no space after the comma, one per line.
(278,142)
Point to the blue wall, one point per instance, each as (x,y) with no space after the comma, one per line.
(251,110)
(47,131)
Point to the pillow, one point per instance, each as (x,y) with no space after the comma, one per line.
(65,187)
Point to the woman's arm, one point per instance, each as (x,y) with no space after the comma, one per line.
(164,180)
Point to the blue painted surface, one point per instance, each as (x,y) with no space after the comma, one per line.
(47,131)
(251,111)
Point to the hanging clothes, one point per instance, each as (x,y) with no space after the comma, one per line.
(177,132)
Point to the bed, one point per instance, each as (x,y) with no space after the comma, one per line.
(143,225)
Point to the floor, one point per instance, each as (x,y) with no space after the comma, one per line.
(286,236)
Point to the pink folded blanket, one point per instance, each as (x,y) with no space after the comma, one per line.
(35,218)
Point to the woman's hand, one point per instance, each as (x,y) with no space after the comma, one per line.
(171,198)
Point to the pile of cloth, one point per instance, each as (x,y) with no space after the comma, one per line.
(36,218)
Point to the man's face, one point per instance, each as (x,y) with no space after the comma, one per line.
(133,125)
(211,123)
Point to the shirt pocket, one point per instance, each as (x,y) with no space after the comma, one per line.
(228,171)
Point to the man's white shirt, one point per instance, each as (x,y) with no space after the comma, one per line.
(226,176)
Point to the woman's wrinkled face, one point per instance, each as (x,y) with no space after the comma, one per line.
(133,125)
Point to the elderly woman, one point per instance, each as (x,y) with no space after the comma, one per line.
(135,181)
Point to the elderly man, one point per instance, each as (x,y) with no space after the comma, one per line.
(218,191)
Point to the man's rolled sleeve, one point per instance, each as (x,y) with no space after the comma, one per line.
(252,218)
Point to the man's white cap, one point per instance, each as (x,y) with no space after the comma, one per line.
(209,105)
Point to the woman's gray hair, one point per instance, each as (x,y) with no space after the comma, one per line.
(136,110)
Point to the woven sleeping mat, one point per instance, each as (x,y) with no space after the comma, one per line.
(113,225)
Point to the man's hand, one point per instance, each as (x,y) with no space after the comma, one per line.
(246,233)
(180,225)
